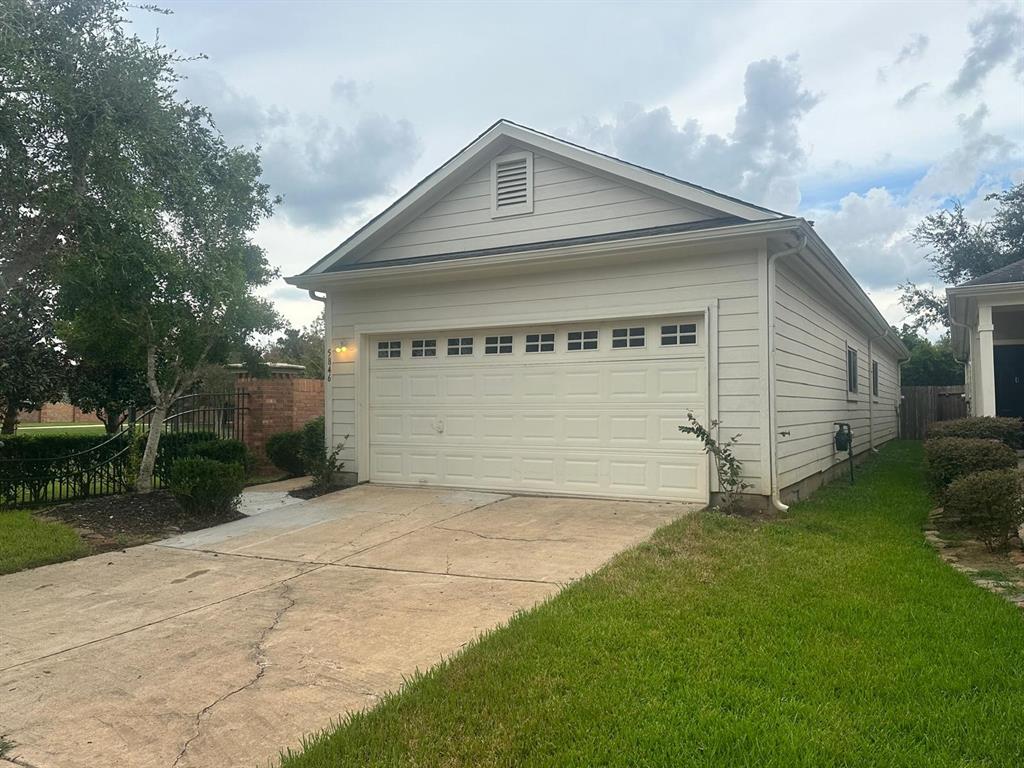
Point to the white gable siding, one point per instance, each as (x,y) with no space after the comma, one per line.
(568,202)
(811,384)
(727,280)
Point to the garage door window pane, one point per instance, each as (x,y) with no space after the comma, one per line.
(627,337)
(388,349)
(460,346)
(424,348)
(683,333)
(498,345)
(540,342)
(580,340)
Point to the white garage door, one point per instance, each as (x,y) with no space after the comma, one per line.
(583,409)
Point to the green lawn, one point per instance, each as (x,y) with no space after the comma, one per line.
(61,429)
(833,637)
(26,542)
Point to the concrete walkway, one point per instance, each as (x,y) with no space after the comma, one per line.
(222,647)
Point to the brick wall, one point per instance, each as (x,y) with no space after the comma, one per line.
(59,413)
(280,403)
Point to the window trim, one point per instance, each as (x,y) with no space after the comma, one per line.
(389,346)
(874,379)
(517,209)
(679,334)
(852,372)
(630,336)
(500,345)
(540,342)
(462,348)
(583,340)
(423,349)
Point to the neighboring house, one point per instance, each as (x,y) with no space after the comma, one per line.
(538,317)
(987,315)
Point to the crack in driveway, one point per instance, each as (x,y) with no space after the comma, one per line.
(259,656)
(499,538)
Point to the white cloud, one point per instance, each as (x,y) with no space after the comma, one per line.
(758,160)
(996,37)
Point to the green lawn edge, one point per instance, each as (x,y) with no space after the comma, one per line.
(833,636)
(28,542)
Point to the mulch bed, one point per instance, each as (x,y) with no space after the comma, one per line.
(129,519)
(311,492)
(1001,571)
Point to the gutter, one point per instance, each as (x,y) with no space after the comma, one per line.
(772,409)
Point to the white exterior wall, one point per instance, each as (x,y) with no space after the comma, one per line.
(811,341)
(568,201)
(726,282)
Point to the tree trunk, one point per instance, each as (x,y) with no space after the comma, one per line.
(144,483)
(10,419)
(112,419)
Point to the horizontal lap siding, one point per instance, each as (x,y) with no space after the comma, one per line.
(568,202)
(811,386)
(615,290)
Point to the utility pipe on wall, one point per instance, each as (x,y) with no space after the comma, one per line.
(772,410)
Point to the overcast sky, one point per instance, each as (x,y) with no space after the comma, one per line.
(861,116)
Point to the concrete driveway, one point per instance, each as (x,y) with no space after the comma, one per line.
(223,647)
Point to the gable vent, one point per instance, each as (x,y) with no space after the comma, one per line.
(512,184)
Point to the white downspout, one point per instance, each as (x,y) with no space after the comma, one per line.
(772,411)
(967,330)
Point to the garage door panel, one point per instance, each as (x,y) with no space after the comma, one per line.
(601,422)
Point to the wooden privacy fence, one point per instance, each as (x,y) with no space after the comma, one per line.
(920,406)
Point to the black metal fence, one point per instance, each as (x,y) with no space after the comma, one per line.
(110,466)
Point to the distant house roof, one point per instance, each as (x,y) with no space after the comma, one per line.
(1011,273)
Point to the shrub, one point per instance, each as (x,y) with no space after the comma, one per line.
(313,441)
(728,468)
(226,451)
(174,446)
(948,458)
(1006,430)
(989,503)
(46,446)
(285,452)
(207,488)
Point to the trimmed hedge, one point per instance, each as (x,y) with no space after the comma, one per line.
(173,446)
(948,458)
(285,452)
(207,488)
(46,446)
(1006,430)
(988,503)
(226,451)
(313,440)
(299,452)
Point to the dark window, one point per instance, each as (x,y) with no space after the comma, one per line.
(684,333)
(580,340)
(851,370)
(627,337)
(386,349)
(460,346)
(874,378)
(498,345)
(424,348)
(540,342)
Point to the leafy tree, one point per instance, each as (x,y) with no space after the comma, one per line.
(32,367)
(157,252)
(176,277)
(111,388)
(80,106)
(931,363)
(962,250)
(301,346)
